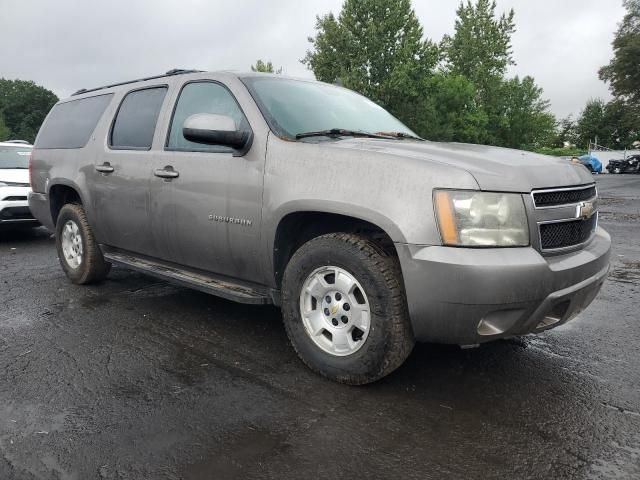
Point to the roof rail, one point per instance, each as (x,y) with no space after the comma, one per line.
(22,142)
(175,71)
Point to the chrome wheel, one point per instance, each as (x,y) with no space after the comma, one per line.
(72,244)
(335,311)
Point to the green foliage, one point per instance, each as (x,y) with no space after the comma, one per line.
(24,106)
(480,48)
(450,110)
(525,119)
(566,131)
(615,125)
(375,47)
(267,67)
(5,133)
(592,123)
(454,92)
(623,72)
(561,151)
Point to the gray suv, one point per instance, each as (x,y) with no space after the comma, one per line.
(269,190)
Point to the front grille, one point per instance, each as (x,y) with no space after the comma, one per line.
(566,234)
(563,197)
(15,199)
(16,213)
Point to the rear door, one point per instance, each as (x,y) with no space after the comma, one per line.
(121,198)
(210,218)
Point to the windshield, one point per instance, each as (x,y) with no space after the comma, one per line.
(14,156)
(293,107)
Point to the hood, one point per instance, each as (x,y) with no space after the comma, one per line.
(14,175)
(494,168)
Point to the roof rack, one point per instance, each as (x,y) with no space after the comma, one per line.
(175,71)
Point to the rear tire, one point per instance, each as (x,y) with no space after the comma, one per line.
(79,254)
(318,317)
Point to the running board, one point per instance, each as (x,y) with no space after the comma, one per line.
(225,287)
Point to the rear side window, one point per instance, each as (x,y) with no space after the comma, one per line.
(136,119)
(70,124)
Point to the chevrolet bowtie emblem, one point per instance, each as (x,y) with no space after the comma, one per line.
(334,309)
(585,210)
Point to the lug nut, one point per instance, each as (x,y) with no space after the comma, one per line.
(338,297)
(344,319)
(327,299)
(335,322)
(346,307)
(326,311)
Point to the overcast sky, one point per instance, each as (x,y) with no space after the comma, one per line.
(66,45)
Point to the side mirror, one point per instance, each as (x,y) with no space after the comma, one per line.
(212,129)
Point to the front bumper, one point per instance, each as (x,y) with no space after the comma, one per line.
(14,207)
(468,296)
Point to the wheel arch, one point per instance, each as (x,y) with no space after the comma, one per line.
(60,193)
(296,227)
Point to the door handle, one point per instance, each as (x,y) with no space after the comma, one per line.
(104,168)
(167,172)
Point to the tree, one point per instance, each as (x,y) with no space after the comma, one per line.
(4,130)
(526,121)
(623,72)
(24,106)
(267,67)
(450,111)
(566,133)
(591,124)
(614,125)
(375,47)
(480,48)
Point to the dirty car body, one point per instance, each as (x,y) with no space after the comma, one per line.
(489,242)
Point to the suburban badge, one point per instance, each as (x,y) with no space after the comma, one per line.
(236,221)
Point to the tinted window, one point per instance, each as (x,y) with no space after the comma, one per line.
(203,97)
(70,124)
(14,156)
(136,119)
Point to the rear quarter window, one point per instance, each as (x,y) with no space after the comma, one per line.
(70,124)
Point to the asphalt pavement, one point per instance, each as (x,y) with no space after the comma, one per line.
(139,379)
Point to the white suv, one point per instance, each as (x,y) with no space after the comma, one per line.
(14,183)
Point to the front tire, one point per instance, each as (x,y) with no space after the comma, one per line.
(78,252)
(617,170)
(344,309)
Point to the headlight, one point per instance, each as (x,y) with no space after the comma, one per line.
(481,219)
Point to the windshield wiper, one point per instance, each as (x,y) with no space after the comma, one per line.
(339,132)
(400,135)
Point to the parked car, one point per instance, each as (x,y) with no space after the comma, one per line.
(592,163)
(628,165)
(14,184)
(270,190)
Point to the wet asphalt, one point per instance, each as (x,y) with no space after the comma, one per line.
(139,379)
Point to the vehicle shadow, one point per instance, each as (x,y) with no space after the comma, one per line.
(23,234)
